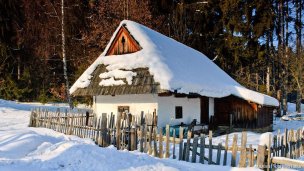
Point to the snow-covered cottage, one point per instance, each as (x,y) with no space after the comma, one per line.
(143,70)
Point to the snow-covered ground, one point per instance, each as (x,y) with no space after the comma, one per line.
(24,148)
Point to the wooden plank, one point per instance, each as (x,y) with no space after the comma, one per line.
(251,156)
(104,120)
(288,162)
(202,149)
(189,135)
(269,153)
(218,156)
(154,143)
(141,137)
(167,141)
(160,153)
(226,149)
(181,144)
(242,161)
(285,142)
(118,131)
(133,139)
(194,149)
(210,148)
(261,156)
(145,138)
(174,157)
(234,150)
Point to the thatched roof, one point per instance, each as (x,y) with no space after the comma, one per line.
(169,65)
(142,83)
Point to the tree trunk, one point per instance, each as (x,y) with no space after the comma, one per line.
(298,52)
(64,57)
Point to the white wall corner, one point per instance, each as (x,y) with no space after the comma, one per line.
(211,107)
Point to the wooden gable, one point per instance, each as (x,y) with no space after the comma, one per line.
(123,43)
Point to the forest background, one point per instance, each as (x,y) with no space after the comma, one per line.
(257,42)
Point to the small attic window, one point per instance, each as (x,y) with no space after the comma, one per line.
(123,40)
(123,44)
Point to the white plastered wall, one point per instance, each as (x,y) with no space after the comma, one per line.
(166,110)
(211,107)
(137,103)
(165,107)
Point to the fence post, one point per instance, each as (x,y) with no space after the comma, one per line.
(154,143)
(173,144)
(218,156)
(269,153)
(251,156)
(118,130)
(168,141)
(234,150)
(261,157)
(181,143)
(242,162)
(141,139)
(226,149)
(160,138)
(202,149)
(210,148)
(133,139)
(145,137)
(188,146)
(194,149)
(285,143)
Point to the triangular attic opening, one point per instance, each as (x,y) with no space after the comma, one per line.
(123,43)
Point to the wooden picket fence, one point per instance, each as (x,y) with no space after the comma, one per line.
(126,131)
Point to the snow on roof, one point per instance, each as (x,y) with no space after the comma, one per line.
(174,65)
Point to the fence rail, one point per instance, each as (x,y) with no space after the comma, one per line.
(126,131)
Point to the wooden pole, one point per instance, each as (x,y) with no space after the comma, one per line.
(242,162)
(168,141)
(234,150)
(210,148)
(181,143)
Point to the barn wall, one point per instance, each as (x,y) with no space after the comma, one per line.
(166,110)
(137,103)
(245,115)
